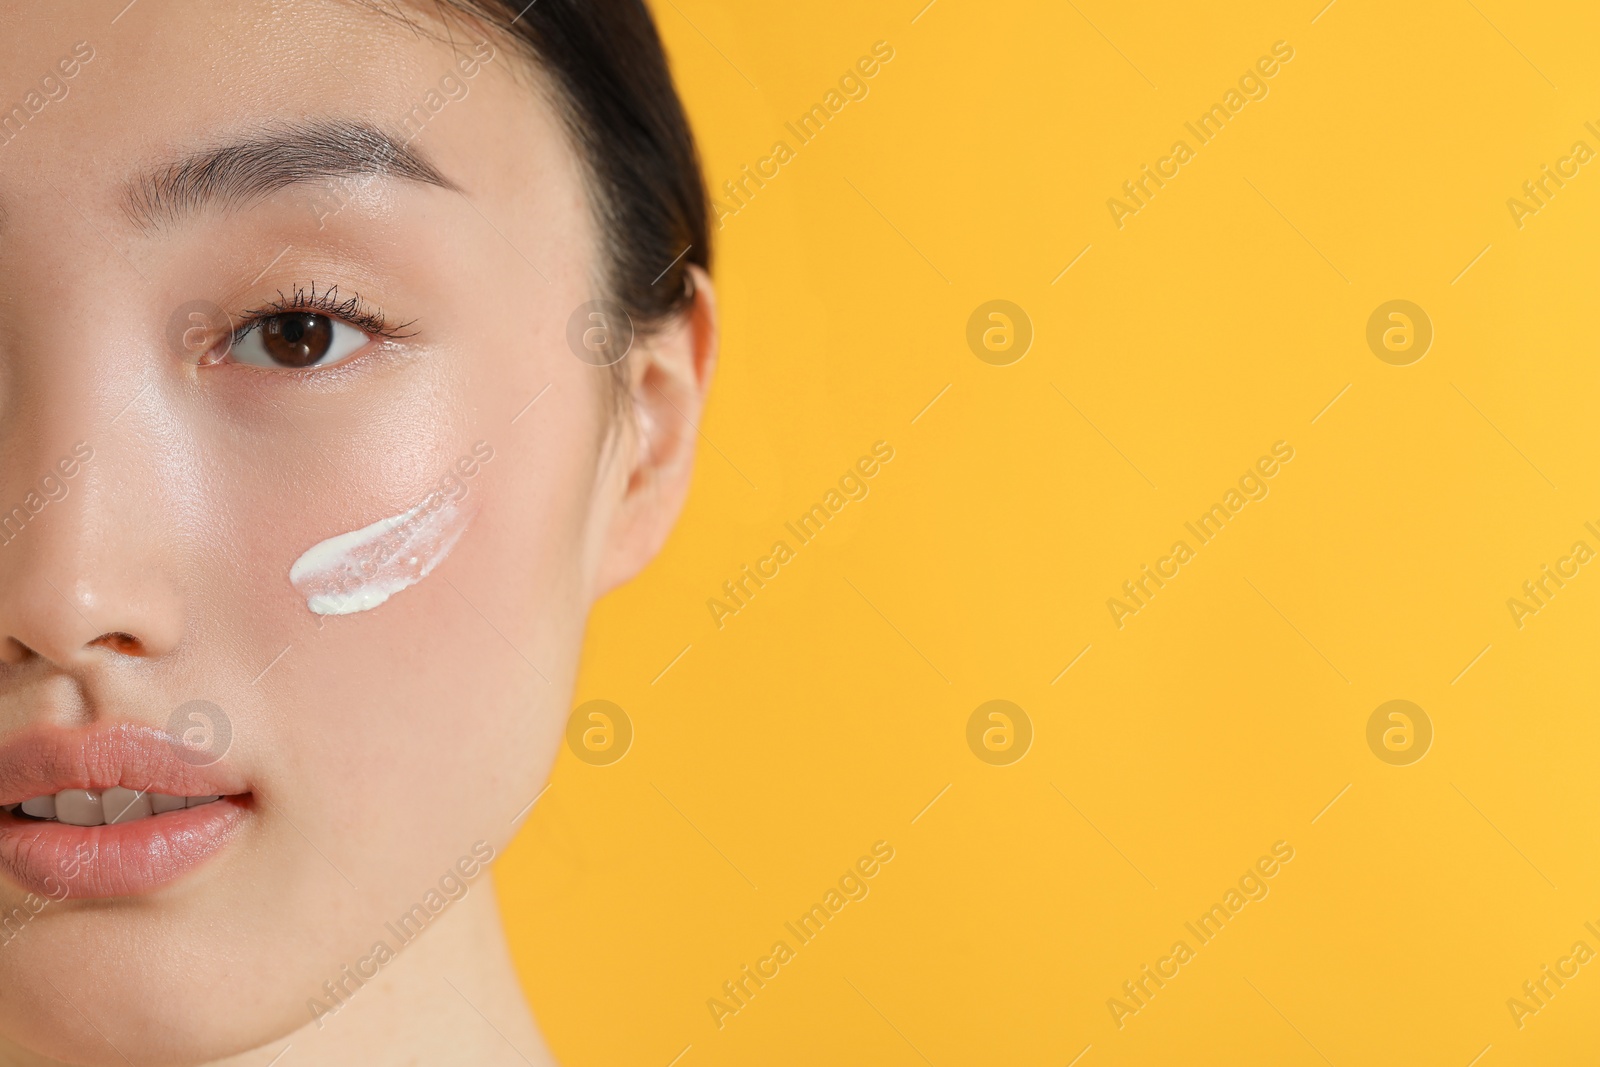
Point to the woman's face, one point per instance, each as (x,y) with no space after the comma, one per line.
(364,528)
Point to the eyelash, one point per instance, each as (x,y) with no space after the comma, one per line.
(352,310)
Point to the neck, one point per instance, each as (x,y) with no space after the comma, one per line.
(450,996)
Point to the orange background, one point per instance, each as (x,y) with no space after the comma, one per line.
(1224,316)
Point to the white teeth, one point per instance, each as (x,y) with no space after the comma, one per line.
(40,807)
(80,807)
(96,807)
(125,805)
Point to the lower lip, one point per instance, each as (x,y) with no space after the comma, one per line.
(58,860)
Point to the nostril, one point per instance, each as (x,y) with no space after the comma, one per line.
(117,641)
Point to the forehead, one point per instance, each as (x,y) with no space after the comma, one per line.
(183,60)
(96,99)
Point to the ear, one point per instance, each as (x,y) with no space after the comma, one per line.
(668,378)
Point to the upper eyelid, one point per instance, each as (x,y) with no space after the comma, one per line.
(352,310)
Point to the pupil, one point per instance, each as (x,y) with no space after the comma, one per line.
(299,340)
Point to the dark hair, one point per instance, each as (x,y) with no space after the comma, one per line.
(615,94)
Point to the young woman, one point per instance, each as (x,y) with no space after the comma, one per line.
(348,352)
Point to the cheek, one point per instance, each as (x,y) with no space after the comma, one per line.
(360,570)
(397,735)
(432,690)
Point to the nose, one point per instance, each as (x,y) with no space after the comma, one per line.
(79,581)
(89,547)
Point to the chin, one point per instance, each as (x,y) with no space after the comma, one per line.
(151,991)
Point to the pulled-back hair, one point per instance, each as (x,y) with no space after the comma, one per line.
(606,65)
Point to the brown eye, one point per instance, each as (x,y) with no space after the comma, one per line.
(295,340)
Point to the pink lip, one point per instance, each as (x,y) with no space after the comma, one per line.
(56,860)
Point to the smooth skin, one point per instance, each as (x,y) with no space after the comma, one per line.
(381,745)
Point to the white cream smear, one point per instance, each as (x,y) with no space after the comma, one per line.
(359,570)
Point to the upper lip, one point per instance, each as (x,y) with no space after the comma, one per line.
(47,759)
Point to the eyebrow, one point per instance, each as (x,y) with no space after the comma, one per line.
(245,171)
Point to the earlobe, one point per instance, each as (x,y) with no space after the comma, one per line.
(669,375)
